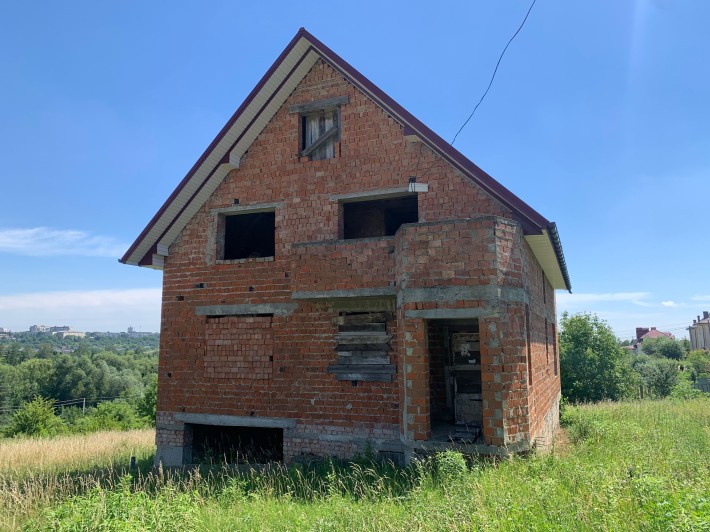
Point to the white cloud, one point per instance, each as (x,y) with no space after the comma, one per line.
(43,241)
(637,298)
(705,298)
(670,304)
(90,310)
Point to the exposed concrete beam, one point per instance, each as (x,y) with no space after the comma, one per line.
(236,421)
(277,309)
(385,291)
(489,293)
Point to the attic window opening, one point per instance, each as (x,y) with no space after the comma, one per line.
(320,127)
(249,236)
(367,219)
(320,131)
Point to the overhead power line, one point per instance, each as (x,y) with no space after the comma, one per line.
(490,83)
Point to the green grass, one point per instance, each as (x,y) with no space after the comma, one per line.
(626,466)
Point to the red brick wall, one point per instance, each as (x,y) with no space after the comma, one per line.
(239,347)
(372,155)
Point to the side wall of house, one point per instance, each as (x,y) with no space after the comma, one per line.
(281,373)
(544,386)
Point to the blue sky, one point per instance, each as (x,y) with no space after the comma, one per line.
(598,118)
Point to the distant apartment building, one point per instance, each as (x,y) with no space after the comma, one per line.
(699,332)
(3,330)
(61,331)
(66,334)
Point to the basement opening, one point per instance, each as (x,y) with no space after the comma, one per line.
(215,444)
(367,219)
(249,236)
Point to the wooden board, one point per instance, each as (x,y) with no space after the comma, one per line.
(371,377)
(362,368)
(363,357)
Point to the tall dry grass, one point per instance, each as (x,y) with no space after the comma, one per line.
(99,449)
(36,473)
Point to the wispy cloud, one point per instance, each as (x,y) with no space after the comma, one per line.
(702,299)
(90,310)
(637,298)
(44,241)
(671,304)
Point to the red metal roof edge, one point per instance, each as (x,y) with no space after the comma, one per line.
(446,149)
(471,170)
(185,180)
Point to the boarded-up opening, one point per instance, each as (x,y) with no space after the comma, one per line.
(249,236)
(363,347)
(215,444)
(366,219)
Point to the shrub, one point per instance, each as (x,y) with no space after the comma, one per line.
(449,466)
(36,418)
(684,390)
(113,415)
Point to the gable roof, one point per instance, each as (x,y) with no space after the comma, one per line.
(225,151)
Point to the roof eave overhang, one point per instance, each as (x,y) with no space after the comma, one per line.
(225,151)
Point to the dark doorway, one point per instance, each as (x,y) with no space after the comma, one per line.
(214,444)
(455,378)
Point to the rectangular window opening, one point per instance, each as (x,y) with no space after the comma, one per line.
(320,131)
(215,444)
(368,219)
(249,236)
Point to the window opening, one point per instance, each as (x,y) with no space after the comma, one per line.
(367,219)
(249,235)
(320,132)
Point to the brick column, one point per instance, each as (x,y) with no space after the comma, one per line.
(414,368)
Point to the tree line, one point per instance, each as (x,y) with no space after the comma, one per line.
(595,366)
(94,386)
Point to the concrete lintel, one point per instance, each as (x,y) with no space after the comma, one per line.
(488,293)
(451,314)
(236,421)
(385,291)
(246,209)
(277,309)
(369,195)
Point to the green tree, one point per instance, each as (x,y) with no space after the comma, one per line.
(592,364)
(699,363)
(36,418)
(147,404)
(663,347)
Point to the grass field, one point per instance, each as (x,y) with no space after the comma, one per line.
(628,466)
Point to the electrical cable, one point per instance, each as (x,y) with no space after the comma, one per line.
(490,83)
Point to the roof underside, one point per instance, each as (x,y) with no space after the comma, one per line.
(226,150)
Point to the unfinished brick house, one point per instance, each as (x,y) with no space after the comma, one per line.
(336,278)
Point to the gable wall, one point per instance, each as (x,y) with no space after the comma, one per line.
(373,154)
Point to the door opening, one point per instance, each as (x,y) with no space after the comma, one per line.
(455,380)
